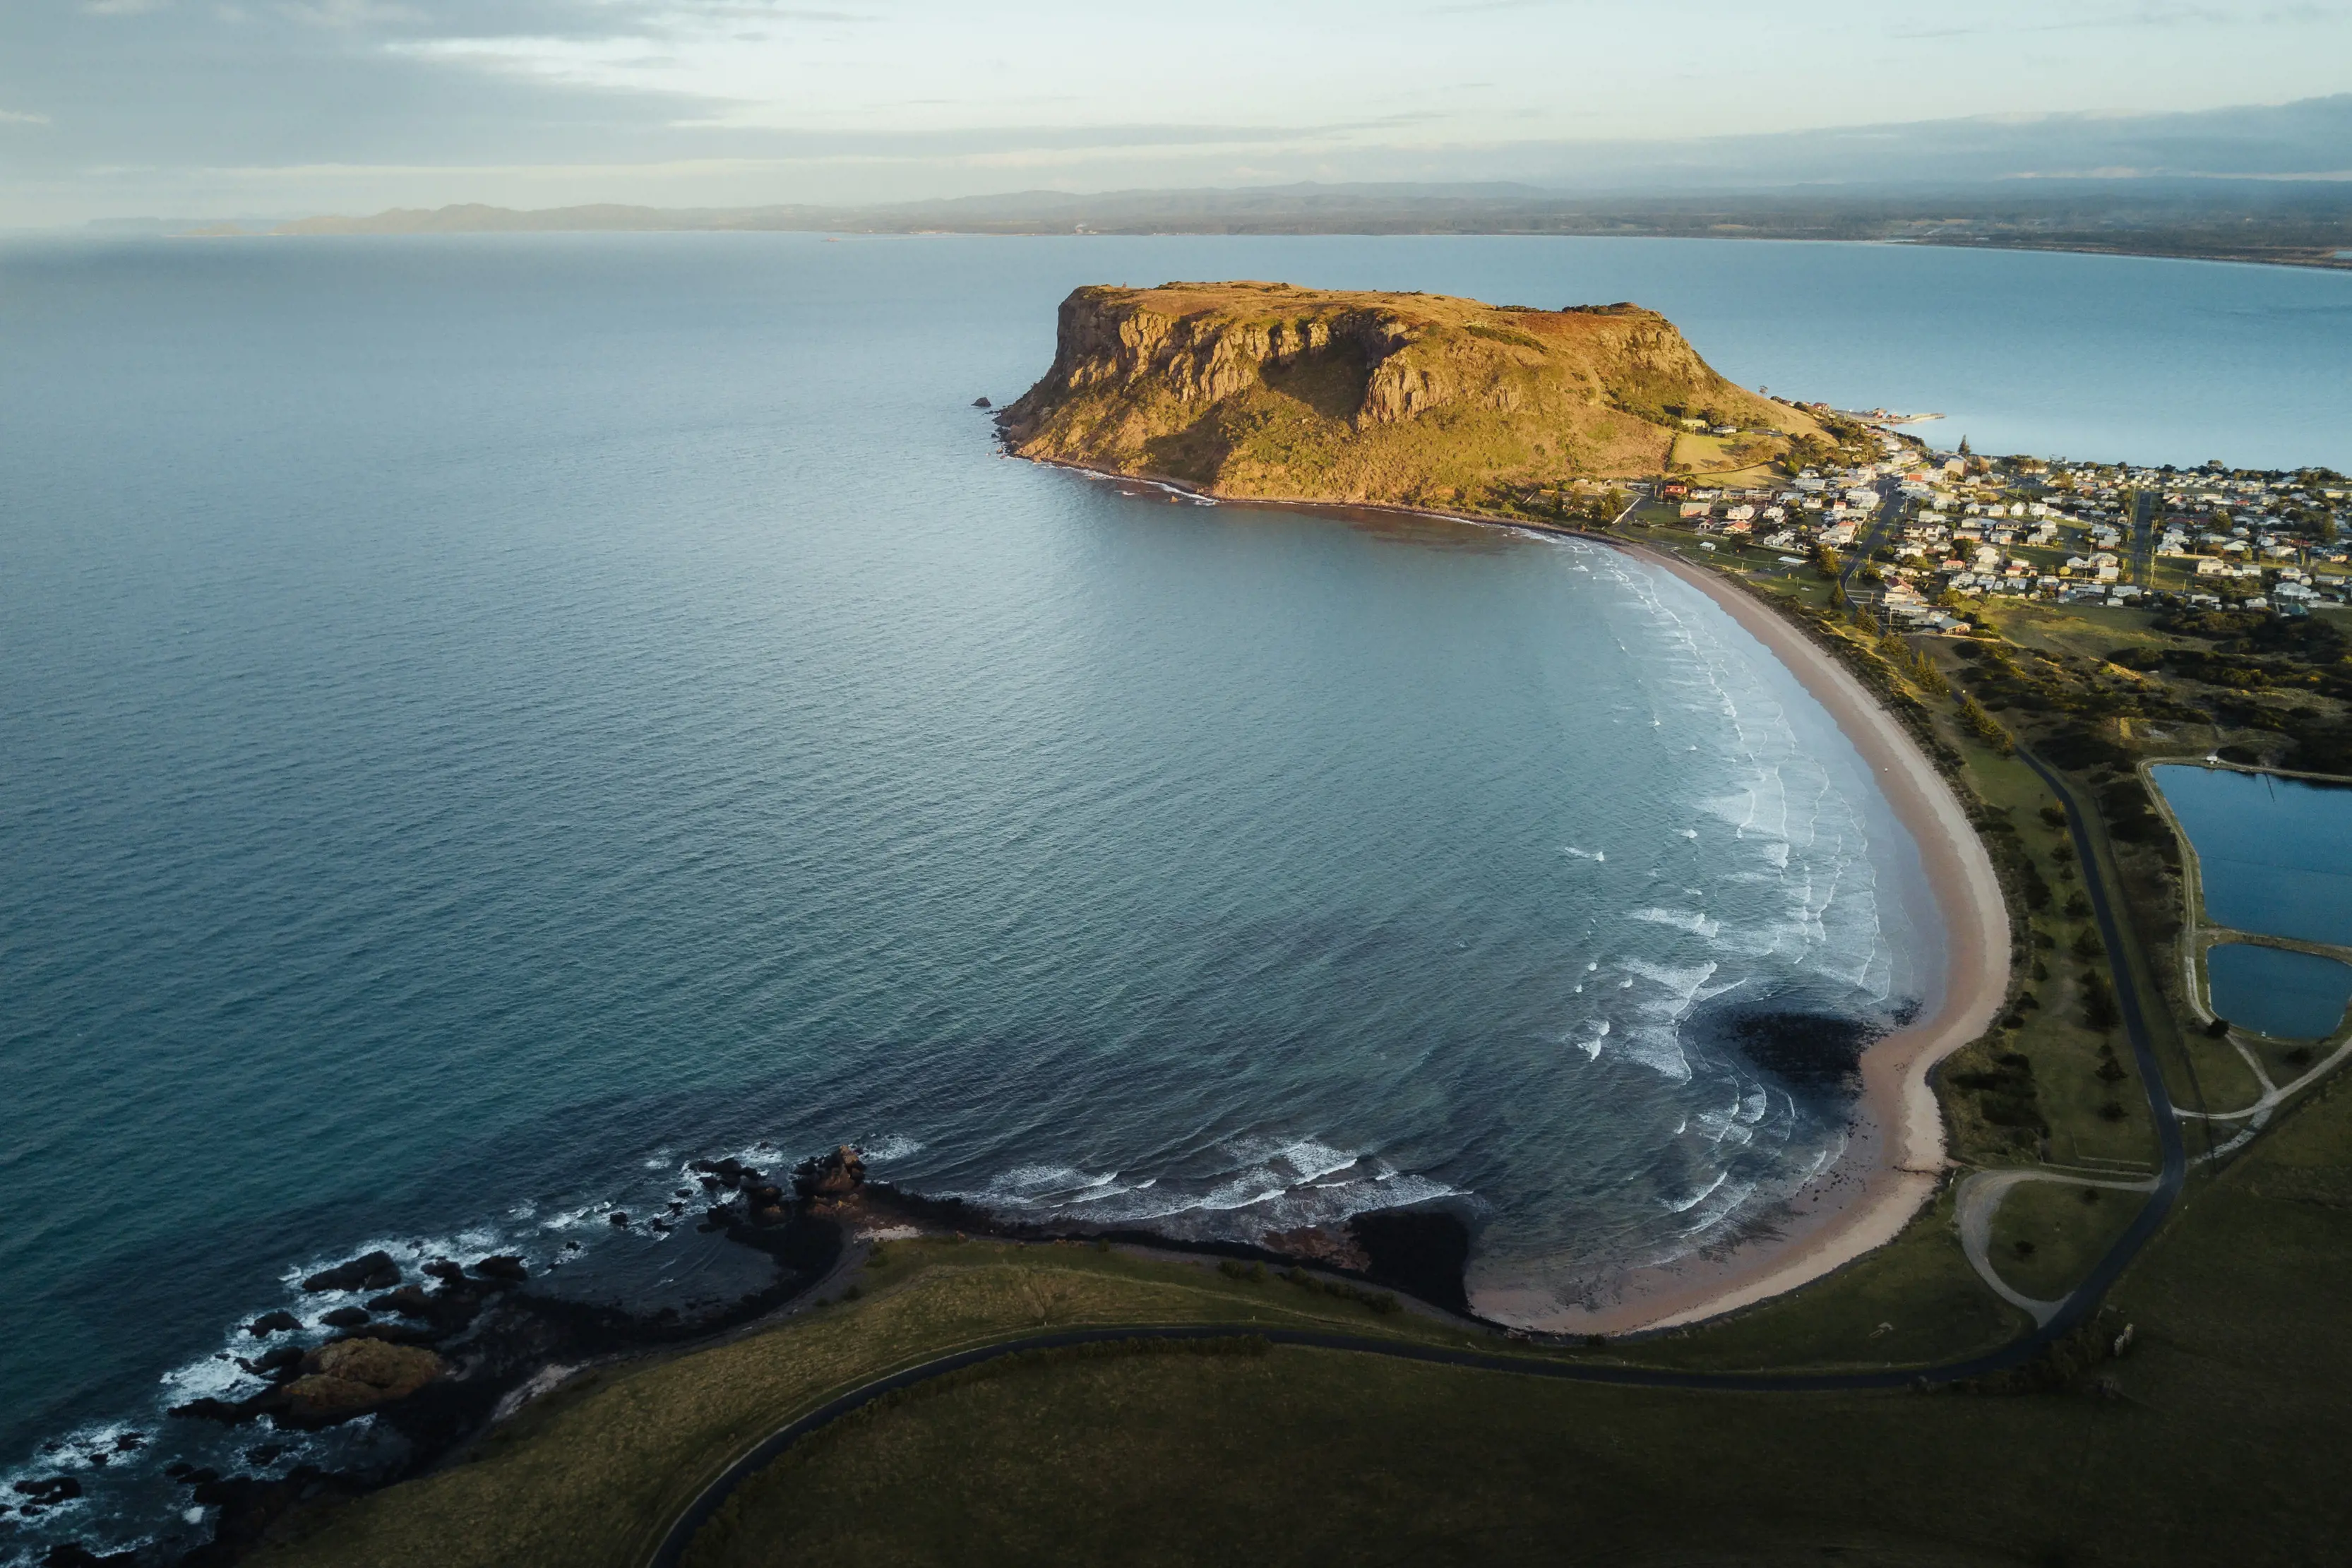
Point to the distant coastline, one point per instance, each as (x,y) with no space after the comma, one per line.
(2317,233)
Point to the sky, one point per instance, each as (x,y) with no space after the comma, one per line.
(285,107)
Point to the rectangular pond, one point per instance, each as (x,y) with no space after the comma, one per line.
(2273,855)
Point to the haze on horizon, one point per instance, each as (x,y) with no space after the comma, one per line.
(283,107)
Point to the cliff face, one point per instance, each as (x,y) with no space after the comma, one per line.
(1261,389)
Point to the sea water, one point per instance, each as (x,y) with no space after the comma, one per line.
(486,721)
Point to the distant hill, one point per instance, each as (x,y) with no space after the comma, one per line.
(1267,389)
(2304,223)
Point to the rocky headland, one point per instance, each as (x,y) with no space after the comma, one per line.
(1272,392)
(438,1353)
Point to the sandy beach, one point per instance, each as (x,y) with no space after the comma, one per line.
(1896,1151)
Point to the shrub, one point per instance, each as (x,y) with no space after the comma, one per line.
(2099,1002)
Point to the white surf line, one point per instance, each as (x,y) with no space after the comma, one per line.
(1978,1198)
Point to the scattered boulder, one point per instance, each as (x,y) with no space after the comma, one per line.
(344,1318)
(409,1301)
(52,1490)
(278,1322)
(505,1269)
(833,1175)
(375,1272)
(353,1376)
(284,1359)
(442,1268)
(981,402)
(211,1409)
(618,1218)
(74,1555)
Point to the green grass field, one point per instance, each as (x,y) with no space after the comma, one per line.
(2216,1438)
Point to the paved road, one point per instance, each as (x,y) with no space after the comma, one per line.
(2144,502)
(2174,1169)
(1871,597)
(2062,1318)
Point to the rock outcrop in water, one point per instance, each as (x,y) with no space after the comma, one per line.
(1265,390)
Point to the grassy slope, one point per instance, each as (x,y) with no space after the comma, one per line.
(593,1474)
(2223,1441)
(2221,1444)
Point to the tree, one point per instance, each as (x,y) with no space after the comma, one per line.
(1964,447)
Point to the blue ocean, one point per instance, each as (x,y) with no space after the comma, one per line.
(485,721)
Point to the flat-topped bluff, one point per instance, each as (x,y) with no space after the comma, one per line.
(1266,390)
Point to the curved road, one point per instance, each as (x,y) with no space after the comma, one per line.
(2062,1318)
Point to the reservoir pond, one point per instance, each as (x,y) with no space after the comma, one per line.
(2277,991)
(2273,855)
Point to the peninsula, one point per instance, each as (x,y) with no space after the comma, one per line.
(1271,392)
(1275,392)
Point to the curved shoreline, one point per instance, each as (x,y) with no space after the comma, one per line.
(1897,1149)
(1898,1130)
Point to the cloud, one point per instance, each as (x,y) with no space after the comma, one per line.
(21,117)
(2138,17)
(350,14)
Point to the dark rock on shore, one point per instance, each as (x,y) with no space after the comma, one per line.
(981,402)
(375,1272)
(353,1376)
(74,1555)
(1332,1247)
(249,1506)
(278,1322)
(409,1301)
(1422,1252)
(442,1268)
(53,1489)
(285,1358)
(1818,1055)
(831,1176)
(208,1408)
(344,1317)
(504,1268)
